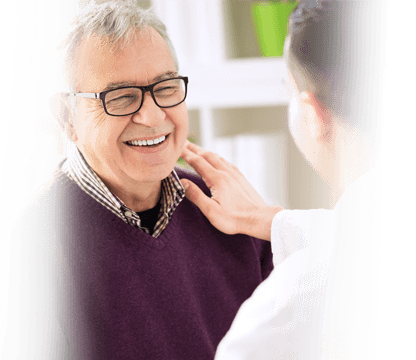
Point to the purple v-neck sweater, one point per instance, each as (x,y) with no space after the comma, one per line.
(128,295)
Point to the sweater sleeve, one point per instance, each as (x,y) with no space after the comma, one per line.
(29,316)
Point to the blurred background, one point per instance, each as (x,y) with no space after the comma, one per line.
(236,101)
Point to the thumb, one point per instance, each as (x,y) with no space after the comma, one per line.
(194,194)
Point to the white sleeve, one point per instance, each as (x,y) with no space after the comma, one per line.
(267,324)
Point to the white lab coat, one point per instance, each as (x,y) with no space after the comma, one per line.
(303,311)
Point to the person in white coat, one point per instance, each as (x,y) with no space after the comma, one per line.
(321,299)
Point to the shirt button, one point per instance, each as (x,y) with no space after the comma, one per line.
(128,213)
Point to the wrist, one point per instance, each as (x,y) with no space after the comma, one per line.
(259,225)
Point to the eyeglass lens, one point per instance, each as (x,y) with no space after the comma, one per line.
(126,101)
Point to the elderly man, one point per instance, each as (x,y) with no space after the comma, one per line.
(142,272)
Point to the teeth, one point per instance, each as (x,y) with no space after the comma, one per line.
(147,142)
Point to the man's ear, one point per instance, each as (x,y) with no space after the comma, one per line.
(60,111)
(319,117)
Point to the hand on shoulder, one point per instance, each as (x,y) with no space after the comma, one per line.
(234,206)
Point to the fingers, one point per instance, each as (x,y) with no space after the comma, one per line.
(211,158)
(199,164)
(193,147)
(194,194)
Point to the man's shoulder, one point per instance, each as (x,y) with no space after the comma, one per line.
(194,177)
(263,247)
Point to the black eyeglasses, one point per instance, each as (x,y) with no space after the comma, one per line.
(127,100)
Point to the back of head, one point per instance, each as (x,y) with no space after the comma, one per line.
(333,53)
(117,21)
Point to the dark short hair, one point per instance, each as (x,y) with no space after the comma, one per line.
(329,46)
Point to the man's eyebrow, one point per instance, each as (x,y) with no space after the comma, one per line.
(115,85)
(167,75)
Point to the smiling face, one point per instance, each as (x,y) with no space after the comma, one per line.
(109,143)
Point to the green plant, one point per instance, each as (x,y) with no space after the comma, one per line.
(270,20)
(282,1)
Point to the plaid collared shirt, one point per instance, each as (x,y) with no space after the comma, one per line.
(78,170)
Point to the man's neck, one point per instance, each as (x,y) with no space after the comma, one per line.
(139,197)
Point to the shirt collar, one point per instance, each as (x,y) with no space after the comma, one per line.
(77,168)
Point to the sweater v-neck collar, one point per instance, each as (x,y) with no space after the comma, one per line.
(86,205)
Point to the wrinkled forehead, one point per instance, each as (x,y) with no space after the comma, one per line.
(99,58)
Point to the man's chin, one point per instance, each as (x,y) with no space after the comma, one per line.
(151,174)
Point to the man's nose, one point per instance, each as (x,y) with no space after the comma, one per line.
(149,114)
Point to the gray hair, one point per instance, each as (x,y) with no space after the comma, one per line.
(113,19)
